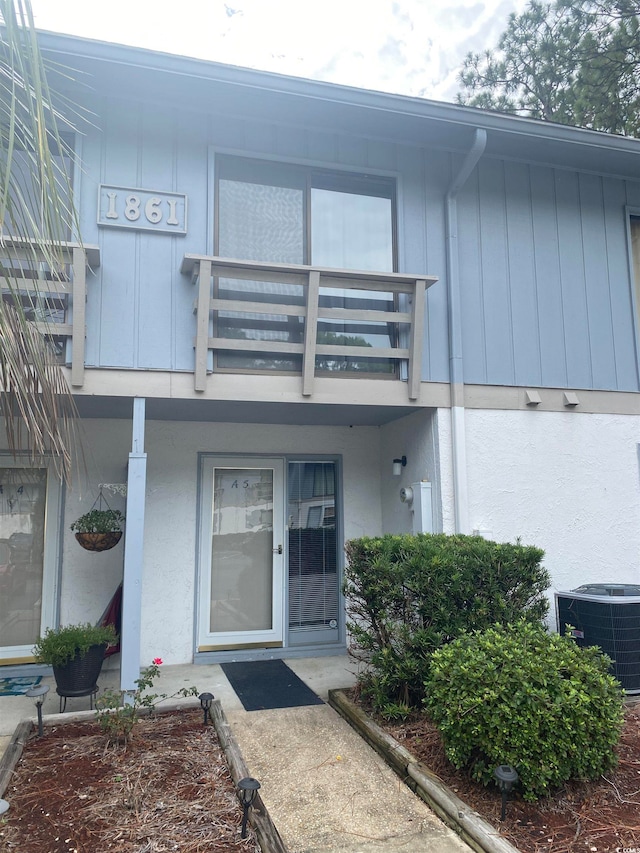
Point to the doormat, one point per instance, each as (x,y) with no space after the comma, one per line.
(265,684)
(18,686)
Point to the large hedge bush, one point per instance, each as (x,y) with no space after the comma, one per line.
(520,696)
(409,595)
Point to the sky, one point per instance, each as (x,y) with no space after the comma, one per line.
(413,47)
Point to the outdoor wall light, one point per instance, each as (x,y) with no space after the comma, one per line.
(506,777)
(398,465)
(38,693)
(206,700)
(248,789)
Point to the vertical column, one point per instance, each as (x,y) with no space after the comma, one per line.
(202,325)
(79,298)
(417,338)
(133,552)
(310,333)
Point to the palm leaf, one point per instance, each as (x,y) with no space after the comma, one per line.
(37,216)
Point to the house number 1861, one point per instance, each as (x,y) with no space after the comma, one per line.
(142,209)
(153,208)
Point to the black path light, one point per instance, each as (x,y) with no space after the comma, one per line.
(206,700)
(248,789)
(38,693)
(506,777)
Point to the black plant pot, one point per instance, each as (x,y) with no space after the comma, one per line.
(79,675)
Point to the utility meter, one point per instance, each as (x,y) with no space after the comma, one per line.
(406,495)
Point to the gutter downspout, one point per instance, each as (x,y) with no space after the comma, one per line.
(456,368)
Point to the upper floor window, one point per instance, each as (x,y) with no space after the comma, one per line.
(288,214)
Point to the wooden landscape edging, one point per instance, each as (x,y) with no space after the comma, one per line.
(473,828)
(265,829)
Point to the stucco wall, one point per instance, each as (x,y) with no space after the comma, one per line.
(415,437)
(169,578)
(566,482)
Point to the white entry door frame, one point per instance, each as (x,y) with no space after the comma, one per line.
(241,553)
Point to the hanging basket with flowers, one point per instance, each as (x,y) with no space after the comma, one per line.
(99,529)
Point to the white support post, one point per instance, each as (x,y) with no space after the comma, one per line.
(133,553)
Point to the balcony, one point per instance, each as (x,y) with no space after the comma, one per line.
(51,289)
(285,318)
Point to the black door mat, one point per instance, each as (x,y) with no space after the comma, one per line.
(265,684)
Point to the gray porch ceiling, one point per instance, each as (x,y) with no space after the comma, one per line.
(239,411)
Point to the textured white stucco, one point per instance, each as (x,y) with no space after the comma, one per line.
(566,482)
(169,571)
(415,437)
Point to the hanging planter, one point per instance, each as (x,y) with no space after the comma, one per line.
(99,529)
(93,541)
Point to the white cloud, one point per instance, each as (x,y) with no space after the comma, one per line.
(413,47)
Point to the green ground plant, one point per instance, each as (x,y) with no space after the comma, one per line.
(118,711)
(60,645)
(409,595)
(518,695)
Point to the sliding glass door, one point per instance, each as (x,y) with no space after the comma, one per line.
(288,214)
(269,567)
(29,513)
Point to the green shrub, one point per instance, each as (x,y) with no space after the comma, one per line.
(60,645)
(409,595)
(520,696)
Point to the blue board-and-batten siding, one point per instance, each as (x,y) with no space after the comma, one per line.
(545,279)
(544,272)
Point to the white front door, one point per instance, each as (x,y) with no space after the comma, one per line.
(242,543)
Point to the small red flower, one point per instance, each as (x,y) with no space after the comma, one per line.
(157,661)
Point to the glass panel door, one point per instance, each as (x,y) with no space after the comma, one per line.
(290,214)
(313,554)
(28,545)
(261,217)
(242,554)
(353,230)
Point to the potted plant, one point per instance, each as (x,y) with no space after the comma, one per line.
(76,654)
(99,529)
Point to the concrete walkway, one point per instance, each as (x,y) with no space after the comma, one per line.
(325,789)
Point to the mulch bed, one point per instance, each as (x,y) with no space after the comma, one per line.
(169,790)
(602,816)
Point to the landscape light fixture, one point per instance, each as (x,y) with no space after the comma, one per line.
(4,807)
(38,693)
(206,700)
(398,465)
(506,777)
(248,789)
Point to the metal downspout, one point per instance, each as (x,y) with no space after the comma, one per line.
(456,368)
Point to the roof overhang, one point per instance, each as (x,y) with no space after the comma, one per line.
(201,86)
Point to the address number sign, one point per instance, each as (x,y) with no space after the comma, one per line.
(142,210)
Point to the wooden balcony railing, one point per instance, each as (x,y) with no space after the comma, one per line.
(206,270)
(40,280)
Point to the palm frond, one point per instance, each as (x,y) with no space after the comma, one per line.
(36,215)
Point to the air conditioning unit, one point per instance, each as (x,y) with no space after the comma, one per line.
(606,615)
